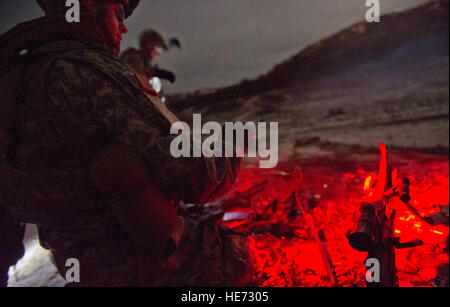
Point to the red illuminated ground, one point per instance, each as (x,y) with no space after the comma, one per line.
(286,254)
(331,179)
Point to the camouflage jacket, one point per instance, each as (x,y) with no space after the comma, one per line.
(61,103)
(138,62)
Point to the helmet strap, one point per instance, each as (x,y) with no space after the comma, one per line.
(100,16)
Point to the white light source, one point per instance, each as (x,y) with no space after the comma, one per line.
(156,83)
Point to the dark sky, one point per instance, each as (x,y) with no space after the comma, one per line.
(225,41)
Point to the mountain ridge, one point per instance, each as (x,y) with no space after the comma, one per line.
(359,44)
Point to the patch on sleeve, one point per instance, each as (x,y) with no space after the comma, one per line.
(145,85)
(153,97)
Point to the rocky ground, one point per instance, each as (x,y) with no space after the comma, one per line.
(329,178)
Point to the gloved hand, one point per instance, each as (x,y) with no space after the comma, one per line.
(165,74)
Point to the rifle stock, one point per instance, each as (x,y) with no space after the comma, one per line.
(374,228)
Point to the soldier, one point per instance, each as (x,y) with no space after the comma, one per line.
(84,155)
(152,44)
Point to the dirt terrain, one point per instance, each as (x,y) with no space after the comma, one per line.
(334,102)
(368,83)
(329,179)
(332,186)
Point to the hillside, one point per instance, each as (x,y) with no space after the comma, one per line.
(371,82)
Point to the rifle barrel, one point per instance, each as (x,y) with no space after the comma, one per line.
(321,244)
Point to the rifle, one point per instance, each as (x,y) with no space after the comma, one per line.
(319,238)
(374,229)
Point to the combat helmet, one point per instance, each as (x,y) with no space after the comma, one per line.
(152,37)
(129,5)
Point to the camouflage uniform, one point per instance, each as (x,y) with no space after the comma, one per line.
(62,102)
(138,61)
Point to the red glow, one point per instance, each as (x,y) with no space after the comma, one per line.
(335,189)
(367,183)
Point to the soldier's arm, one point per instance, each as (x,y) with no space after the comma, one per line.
(150,71)
(100,106)
(163,74)
(120,173)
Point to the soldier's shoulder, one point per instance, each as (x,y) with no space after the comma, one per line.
(95,60)
(74,53)
(79,62)
(67,75)
(134,58)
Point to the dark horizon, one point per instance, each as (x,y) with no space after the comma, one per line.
(223,43)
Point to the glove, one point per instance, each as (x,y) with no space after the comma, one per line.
(165,74)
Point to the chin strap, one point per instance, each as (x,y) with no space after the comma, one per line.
(109,42)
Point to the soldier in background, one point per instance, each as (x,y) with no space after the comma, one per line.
(152,44)
(85,155)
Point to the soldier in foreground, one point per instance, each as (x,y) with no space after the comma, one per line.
(151,46)
(85,156)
